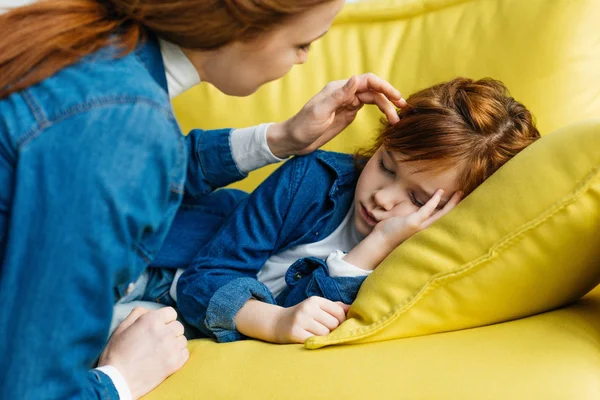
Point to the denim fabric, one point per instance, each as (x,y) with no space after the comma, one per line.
(182,243)
(92,169)
(303,201)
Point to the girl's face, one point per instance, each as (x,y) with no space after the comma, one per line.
(240,68)
(389,188)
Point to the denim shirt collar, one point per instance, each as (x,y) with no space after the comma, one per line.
(344,169)
(149,53)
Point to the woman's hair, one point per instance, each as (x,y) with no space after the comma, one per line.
(39,39)
(474,124)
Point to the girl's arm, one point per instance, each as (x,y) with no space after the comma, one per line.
(222,276)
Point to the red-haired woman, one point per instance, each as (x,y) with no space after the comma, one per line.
(93,166)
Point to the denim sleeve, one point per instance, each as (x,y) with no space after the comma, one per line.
(211,164)
(100,386)
(90,188)
(310,277)
(222,276)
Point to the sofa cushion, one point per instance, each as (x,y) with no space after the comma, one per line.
(548,356)
(526,241)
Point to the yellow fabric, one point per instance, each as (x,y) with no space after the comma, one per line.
(552,356)
(548,53)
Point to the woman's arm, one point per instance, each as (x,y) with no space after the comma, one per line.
(217,160)
(88,189)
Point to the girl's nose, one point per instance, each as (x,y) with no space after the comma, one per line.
(384,199)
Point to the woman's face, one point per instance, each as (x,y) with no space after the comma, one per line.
(240,68)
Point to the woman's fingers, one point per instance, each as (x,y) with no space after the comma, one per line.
(176,328)
(166,314)
(131,318)
(371,82)
(363,89)
(382,102)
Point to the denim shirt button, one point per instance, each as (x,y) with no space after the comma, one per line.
(130,288)
(297,276)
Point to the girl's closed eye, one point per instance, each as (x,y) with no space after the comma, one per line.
(385,169)
(414,200)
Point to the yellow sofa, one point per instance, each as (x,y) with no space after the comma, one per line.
(548,54)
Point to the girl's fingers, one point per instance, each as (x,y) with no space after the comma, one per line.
(428,208)
(454,200)
(316,328)
(335,309)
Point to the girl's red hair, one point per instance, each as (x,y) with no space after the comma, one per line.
(475,124)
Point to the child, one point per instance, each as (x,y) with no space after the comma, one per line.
(292,255)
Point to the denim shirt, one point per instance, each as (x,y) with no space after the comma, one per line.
(92,170)
(302,202)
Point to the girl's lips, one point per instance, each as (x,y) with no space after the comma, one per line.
(367,216)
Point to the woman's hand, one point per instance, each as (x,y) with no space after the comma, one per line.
(330,111)
(146,348)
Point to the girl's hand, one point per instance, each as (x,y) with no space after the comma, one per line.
(315,316)
(330,111)
(393,231)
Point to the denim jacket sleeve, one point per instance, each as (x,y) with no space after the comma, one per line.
(310,277)
(211,164)
(222,276)
(93,190)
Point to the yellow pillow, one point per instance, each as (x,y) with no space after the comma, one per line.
(526,241)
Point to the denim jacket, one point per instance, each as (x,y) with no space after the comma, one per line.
(303,201)
(92,170)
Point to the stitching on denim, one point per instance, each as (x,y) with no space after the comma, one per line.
(141,251)
(439,280)
(103,388)
(201,163)
(180,163)
(35,108)
(80,108)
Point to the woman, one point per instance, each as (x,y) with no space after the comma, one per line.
(93,166)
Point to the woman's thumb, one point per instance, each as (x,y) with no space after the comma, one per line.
(340,95)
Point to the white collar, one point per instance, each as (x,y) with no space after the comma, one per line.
(181,73)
